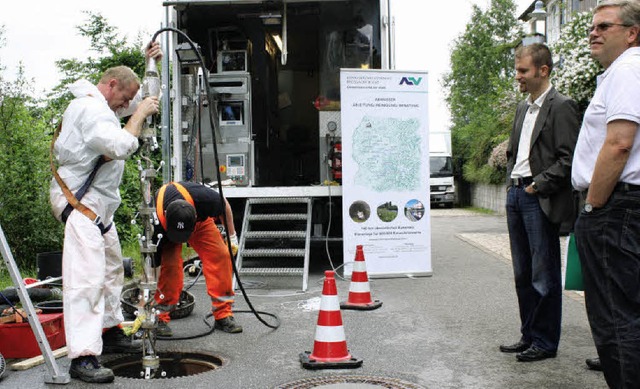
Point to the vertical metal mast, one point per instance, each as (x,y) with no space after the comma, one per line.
(147,211)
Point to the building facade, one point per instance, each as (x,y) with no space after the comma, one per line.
(558,14)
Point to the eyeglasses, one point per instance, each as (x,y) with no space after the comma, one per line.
(604,26)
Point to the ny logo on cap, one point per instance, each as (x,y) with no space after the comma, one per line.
(180,226)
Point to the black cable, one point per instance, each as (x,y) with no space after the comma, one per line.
(200,140)
(197,277)
(203,334)
(195,103)
(12,306)
(6,299)
(212,327)
(212,111)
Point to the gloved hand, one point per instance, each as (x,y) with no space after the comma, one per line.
(234,243)
(130,330)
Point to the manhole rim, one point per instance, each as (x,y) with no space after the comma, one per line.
(109,360)
(316,382)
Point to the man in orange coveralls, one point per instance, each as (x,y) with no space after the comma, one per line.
(186,212)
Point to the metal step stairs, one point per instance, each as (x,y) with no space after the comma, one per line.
(275,238)
(55,375)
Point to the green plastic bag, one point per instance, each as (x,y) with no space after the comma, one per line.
(573,270)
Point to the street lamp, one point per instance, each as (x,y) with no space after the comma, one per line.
(538,23)
(539,16)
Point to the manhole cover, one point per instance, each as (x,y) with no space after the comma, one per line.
(172,364)
(350,382)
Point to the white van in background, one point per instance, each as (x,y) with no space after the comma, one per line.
(442,188)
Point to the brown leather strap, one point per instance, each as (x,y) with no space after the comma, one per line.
(73,201)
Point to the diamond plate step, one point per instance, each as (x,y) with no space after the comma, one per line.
(276,234)
(277,216)
(273,253)
(285,271)
(279,200)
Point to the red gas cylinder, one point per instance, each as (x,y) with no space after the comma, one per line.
(336,161)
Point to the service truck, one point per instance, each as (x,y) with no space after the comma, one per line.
(441,180)
(273,74)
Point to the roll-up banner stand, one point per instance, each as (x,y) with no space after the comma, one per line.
(385,171)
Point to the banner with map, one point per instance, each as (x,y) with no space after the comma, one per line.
(385,171)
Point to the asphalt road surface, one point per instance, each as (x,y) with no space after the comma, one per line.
(441,331)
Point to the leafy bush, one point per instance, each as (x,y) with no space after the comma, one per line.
(498,158)
(26,130)
(25,135)
(480,91)
(576,75)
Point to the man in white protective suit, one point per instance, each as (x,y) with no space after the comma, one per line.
(92,142)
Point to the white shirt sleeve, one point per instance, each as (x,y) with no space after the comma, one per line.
(624,94)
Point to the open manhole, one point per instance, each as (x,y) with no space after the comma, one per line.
(172,365)
(349,382)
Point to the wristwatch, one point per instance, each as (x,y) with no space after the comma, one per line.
(534,186)
(588,208)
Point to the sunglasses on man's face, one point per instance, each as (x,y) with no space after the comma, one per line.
(604,26)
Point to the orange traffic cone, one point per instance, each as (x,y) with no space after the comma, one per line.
(330,346)
(359,292)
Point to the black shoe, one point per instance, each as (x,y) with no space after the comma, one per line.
(115,341)
(229,325)
(515,348)
(534,353)
(163,329)
(88,369)
(594,364)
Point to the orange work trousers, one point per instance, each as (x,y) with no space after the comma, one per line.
(207,241)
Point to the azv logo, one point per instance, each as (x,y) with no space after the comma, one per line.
(411,80)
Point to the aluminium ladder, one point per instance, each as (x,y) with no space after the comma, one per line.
(275,238)
(55,375)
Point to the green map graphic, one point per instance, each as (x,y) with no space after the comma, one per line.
(387,152)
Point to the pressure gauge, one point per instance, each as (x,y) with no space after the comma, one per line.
(332,126)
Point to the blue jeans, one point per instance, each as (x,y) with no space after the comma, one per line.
(535,252)
(608,241)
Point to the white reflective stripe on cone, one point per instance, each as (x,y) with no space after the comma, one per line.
(330,334)
(329,303)
(359,266)
(359,287)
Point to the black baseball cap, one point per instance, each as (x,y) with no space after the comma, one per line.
(181,220)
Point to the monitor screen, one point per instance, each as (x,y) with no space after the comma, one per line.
(230,113)
(235,160)
(232,61)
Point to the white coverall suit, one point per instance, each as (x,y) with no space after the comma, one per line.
(92,270)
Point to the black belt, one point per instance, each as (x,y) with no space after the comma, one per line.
(521,181)
(620,187)
(625,187)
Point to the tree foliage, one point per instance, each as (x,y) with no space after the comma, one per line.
(480,92)
(25,135)
(576,75)
(110,48)
(26,129)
